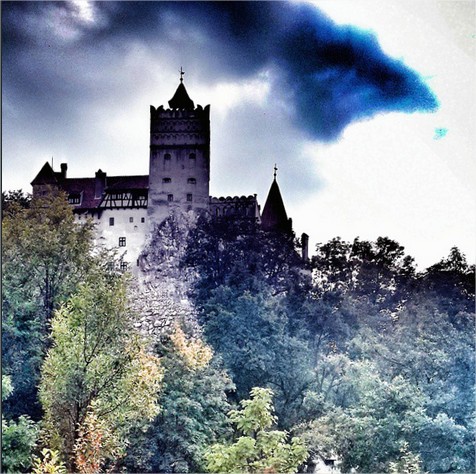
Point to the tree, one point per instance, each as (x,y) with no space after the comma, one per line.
(193,411)
(17,198)
(45,254)
(97,381)
(258,449)
(18,437)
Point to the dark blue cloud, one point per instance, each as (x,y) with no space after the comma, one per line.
(330,75)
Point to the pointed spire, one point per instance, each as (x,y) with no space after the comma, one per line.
(274,217)
(181,99)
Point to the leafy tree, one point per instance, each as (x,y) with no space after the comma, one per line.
(44,256)
(193,409)
(253,335)
(97,380)
(258,449)
(49,463)
(408,463)
(18,437)
(452,282)
(241,256)
(17,198)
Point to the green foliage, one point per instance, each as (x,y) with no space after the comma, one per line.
(193,413)
(97,378)
(259,449)
(13,200)
(18,437)
(373,356)
(44,256)
(49,463)
(408,463)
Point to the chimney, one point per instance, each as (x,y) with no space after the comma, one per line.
(305,247)
(64,168)
(100,184)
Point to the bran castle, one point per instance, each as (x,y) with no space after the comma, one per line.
(126,208)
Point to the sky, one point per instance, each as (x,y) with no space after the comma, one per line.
(366,107)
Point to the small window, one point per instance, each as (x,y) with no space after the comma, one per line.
(74,199)
(123,266)
(192,181)
(142,219)
(189,197)
(167,156)
(192,156)
(166,180)
(170,197)
(111,221)
(131,219)
(122,241)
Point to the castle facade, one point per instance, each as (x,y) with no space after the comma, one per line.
(126,209)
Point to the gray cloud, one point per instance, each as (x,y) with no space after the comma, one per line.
(331,75)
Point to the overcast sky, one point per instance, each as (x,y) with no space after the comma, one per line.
(367,107)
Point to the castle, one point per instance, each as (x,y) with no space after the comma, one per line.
(126,208)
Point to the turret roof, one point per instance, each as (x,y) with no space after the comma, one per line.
(274,217)
(46,175)
(181,99)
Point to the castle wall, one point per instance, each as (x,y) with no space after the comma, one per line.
(128,224)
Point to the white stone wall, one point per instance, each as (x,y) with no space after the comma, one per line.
(135,232)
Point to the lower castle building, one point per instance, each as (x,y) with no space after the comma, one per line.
(126,208)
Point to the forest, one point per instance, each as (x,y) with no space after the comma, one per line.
(354,359)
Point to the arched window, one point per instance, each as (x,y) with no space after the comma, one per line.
(167,156)
(192,156)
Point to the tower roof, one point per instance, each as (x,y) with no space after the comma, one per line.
(274,217)
(46,175)
(181,99)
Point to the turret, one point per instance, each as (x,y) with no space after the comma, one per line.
(274,217)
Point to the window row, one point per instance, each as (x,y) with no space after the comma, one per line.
(189,180)
(170,197)
(191,156)
(131,219)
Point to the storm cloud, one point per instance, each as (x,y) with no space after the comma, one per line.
(328,75)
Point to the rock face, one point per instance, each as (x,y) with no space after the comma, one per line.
(159,293)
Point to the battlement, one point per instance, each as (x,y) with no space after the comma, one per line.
(241,207)
(160,113)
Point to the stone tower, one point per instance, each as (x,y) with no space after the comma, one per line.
(179,172)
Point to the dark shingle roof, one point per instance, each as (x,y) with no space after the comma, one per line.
(181,100)
(274,217)
(46,176)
